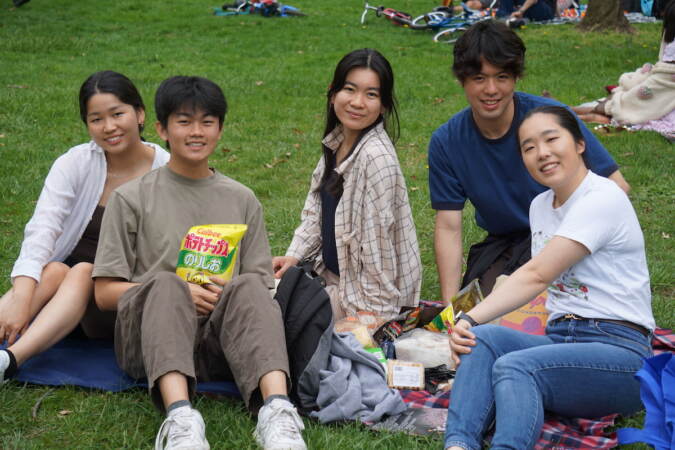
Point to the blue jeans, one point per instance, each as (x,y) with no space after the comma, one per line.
(581,368)
(537,12)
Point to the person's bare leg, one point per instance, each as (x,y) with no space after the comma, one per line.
(273,383)
(597,108)
(279,424)
(594,118)
(59,316)
(52,276)
(50,280)
(184,426)
(173,387)
(580,110)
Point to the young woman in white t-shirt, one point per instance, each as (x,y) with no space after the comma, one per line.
(588,250)
(51,279)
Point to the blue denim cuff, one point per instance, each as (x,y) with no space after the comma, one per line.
(465,446)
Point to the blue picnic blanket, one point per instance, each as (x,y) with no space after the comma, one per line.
(92,364)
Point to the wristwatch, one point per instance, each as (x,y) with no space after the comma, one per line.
(468,318)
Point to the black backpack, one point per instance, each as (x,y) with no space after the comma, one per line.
(305,307)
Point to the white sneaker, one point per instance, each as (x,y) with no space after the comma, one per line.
(279,427)
(182,429)
(4,364)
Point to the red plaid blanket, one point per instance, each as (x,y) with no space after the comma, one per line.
(558,432)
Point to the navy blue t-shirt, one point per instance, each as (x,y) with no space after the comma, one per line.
(463,164)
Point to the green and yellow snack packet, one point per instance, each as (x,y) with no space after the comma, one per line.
(208,250)
(443,322)
(464,300)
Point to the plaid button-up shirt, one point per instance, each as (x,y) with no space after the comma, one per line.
(378,255)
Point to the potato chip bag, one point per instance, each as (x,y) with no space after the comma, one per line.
(208,250)
(467,298)
(443,322)
(462,301)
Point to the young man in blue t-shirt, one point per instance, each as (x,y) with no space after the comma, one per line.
(475,156)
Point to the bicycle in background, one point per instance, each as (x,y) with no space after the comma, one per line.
(441,17)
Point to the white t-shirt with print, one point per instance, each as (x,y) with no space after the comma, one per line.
(613,281)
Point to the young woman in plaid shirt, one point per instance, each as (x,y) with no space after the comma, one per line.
(357,225)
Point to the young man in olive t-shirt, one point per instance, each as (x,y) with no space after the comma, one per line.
(174,332)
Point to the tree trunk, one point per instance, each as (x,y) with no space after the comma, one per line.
(605,15)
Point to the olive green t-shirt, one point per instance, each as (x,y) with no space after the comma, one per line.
(146,220)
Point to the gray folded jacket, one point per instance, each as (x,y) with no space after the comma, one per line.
(346,382)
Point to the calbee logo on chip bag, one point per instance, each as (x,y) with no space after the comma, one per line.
(208,250)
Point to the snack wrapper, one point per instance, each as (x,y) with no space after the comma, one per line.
(464,300)
(359,330)
(443,322)
(468,297)
(208,250)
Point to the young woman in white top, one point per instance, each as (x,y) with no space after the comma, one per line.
(51,279)
(588,250)
(357,224)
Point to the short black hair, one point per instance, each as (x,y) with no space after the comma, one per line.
(493,42)
(182,93)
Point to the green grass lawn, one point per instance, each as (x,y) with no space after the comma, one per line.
(275,73)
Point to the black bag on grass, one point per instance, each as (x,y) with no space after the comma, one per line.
(306,311)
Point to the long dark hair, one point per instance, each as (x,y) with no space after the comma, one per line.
(367,58)
(669,22)
(109,82)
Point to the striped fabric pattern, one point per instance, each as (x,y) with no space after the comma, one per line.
(378,255)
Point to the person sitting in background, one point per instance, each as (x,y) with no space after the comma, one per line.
(478,5)
(645,94)
(534,10)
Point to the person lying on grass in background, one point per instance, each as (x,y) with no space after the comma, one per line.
(646,94)
(588,250)
(52,285)
(175,332)
(471,157)
(356,225)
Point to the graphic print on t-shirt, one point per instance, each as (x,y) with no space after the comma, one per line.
(567,282)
